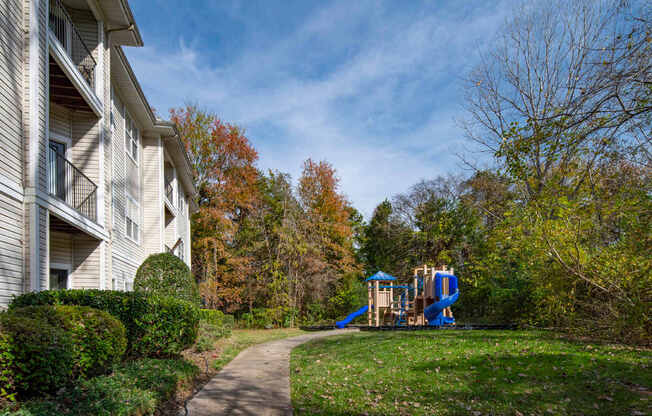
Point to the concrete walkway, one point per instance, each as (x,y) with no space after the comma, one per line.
(256,382)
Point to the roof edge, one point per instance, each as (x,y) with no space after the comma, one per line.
(132,21)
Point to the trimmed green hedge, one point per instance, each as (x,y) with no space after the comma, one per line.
(51,346)
(156,326)
(41,355)
(165,274)
(6,358)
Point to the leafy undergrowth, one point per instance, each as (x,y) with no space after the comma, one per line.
(469,373)
(135,388)
(148,386)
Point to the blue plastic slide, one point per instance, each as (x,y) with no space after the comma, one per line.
(433,313)
(344,322)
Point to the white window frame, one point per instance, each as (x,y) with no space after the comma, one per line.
(135,239)
(129,132)
(60,138)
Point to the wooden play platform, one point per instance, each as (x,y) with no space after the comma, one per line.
(404,304)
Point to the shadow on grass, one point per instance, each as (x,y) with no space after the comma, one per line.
(487,372)
(557,383)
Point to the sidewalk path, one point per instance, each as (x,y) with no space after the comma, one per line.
(256,382)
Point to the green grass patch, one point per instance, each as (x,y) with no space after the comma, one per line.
(242,339)
(468,373)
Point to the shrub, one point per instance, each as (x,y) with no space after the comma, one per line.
(170,326)
(156,326)
(99,338)
(51,346)
(41,354)
(135,388)
(167,275)
(279,317)
(6,363)
(216,317)
(214,325)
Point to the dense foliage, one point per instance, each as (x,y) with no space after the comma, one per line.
(262,246)
(52,346)
(216,317)
(6,360)
(213,325)
(135,388)
(165,274)
(156,326)
(558,233)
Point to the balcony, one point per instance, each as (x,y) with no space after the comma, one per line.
(68,184)
(61,24)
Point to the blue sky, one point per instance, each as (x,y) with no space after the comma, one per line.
(374,87)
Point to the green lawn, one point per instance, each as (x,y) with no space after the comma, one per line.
(468,373)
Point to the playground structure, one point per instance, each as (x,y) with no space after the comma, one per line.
(426,300)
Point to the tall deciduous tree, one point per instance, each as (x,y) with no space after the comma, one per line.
(224,173)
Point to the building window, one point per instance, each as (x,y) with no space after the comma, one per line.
(132,219)
(131,138)
(58,279)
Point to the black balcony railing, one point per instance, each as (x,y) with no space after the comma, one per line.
(64,29)
(169,192)
(70,185)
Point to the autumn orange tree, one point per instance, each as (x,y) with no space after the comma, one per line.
(327,214)
(261,245)
(225,176)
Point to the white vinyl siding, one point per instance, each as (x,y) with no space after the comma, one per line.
(153,198)
(11,249)
(60,248)
(86,262)
(11,72)
(123,274)
(126,200)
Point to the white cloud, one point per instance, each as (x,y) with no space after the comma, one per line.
(374,112)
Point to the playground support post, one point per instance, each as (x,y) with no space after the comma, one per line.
(370,309)
(376,298)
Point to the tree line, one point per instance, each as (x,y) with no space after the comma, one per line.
(557,232)
(554,231)
(261,245)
